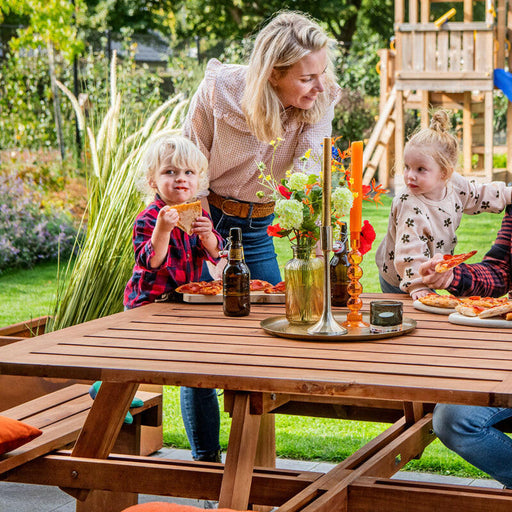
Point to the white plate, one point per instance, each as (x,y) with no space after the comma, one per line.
(431,309)
(457,318)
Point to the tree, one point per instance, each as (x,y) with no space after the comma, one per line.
(238,19)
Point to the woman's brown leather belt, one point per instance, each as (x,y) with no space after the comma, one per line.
(242,209)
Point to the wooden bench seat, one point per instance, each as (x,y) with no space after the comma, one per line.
(61,414)
(387,495)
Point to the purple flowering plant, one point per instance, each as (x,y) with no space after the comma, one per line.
(30,233)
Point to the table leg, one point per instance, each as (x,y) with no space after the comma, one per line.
(102,425)
(266,449)
(240,456)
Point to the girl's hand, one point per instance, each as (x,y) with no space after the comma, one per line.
(420,293)
(433,279)
(203,228)
(167,218)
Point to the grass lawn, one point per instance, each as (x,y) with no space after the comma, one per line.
(28,293)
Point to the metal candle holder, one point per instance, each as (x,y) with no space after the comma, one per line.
(327,325)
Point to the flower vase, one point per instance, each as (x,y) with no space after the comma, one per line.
(304,276)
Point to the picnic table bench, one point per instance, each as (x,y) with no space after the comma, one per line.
(59,407)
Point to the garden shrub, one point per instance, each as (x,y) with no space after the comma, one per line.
(26,108)
(29,232)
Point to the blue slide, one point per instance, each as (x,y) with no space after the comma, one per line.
(503,81)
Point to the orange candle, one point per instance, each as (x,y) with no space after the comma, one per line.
(326,189)
(357,189)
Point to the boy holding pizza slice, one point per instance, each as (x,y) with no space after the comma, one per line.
(471,431)
(172,236)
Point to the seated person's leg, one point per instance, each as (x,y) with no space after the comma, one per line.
(470,431)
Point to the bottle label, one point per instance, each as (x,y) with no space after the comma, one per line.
(236,254)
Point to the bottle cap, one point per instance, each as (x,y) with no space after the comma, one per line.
(235,234)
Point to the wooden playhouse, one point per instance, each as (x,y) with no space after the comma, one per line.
(436,62)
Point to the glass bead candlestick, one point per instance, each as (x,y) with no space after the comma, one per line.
(355,272)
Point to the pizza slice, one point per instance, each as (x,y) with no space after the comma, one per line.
(188,213)
(503,309)
(439,301)
(452,260)
(277,288)
(258,285)
(469,310)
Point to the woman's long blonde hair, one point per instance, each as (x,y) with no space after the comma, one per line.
(283,42)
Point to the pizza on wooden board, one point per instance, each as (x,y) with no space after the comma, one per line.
(215,287)
(452,260)
(188,213)
(201,288)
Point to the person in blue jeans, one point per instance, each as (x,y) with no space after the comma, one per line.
(284,97)
(474,432)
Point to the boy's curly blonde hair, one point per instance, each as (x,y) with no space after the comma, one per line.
(444,146)
(184,155)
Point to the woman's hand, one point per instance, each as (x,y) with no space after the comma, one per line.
(433,279)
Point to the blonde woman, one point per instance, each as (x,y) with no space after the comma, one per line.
(287,90)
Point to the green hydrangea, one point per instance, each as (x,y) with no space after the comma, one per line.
(342,200)
(297,181)
(290,213)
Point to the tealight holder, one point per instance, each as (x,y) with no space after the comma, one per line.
(355,288)
(386,316)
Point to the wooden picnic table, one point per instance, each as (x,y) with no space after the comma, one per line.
(393,380)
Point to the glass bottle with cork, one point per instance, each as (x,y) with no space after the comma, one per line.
(338,269)
(236,278)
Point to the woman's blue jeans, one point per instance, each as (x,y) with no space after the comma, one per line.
(471,432)
(200,407)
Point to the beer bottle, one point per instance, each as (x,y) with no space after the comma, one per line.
(338,270)
(236,278)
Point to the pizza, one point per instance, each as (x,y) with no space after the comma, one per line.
(201,288)
(215,287)
(440,301)
(469,310)
(485,307)
(452,260)
(188,213)
(257,285)
(483,302)
(500,310)
(277,288)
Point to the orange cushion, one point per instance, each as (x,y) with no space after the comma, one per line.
(158,506)
(14,434)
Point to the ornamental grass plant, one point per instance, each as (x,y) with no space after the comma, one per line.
(95,280)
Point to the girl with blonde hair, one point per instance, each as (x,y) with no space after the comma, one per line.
(288,91)
(427,212)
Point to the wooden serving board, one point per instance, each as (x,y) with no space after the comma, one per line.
(262,297)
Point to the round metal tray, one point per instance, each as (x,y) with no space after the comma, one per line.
(279,326)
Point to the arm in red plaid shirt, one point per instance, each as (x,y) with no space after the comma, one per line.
(493,276)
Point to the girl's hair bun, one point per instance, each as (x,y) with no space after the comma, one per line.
(440,121)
